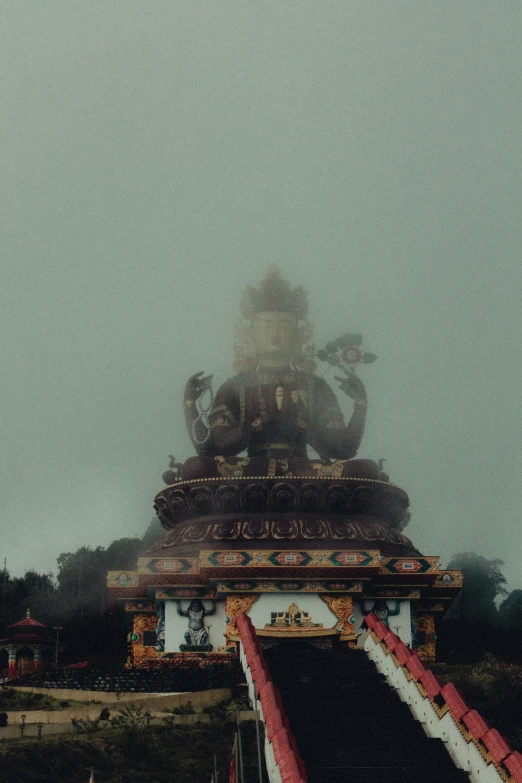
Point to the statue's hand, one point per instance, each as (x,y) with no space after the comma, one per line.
(196,386)
(352,386)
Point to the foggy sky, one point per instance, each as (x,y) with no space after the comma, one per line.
(158,156)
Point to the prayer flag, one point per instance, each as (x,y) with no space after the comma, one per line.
(233,762)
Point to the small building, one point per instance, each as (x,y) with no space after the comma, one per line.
(26,648)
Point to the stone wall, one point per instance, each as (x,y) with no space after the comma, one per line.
(169,680)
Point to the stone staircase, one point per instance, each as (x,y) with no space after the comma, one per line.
(349,724)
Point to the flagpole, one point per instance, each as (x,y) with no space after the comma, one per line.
(236,752)
(240,749)
(258,738)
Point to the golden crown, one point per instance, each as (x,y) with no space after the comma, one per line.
(274,293)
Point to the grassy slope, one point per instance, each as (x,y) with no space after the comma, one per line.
(11,699)
(144,755)
(492,688)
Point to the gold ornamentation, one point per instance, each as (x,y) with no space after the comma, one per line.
(293,619)
(140,606)
(122,579)
(425,623)
(140,654)
(231,469)
(221,416)
(342,608)
(264,558)
(329,470)
(285,586)
(234,606)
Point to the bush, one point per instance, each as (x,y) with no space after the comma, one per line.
(494,689)
(184,709)
(131,717)
(218,711)
(85,725)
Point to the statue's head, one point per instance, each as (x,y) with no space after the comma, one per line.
(273,328)
(274,335)
(195,606)
(380,608)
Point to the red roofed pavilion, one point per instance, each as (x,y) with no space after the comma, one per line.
(26,644)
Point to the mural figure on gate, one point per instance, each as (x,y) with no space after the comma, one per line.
(160,629)
(382,611)
(197,634)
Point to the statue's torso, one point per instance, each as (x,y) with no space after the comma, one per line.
(275,408)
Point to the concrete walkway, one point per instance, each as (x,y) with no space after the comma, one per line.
(60,721)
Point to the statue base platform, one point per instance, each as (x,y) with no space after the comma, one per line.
(314,553)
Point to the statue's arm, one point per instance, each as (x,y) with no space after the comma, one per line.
(180,610)
(328,435)
(200,434)
(212,611)
(396,611)
(227,420)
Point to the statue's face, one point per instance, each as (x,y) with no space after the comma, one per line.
(274,335)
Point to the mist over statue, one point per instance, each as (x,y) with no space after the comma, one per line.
(276,406)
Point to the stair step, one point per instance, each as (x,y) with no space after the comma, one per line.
(349,724)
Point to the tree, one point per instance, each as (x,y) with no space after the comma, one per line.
(153,533)
(483,583)
(510,612)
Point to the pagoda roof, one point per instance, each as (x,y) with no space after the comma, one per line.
(27,621)
(28,630)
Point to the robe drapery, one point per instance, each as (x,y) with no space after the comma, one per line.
(277,414)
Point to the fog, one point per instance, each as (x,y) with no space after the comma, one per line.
(158,157)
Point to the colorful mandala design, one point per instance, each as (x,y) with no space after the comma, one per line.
(401,566)
(350,558)
(169,566)
(290,558)
(123,580)
(289,585)
(229,559)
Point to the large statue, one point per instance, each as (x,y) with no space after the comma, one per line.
(275,406)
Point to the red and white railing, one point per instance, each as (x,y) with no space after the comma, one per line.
(481,751)
(284,764)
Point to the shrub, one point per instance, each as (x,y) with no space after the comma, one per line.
(131,717)
(184,709)
(85,725)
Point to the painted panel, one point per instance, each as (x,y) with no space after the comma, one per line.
(176,627)
(276,603)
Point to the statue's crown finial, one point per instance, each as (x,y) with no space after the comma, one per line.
(274,293)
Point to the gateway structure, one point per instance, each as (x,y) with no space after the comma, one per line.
(274,516)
